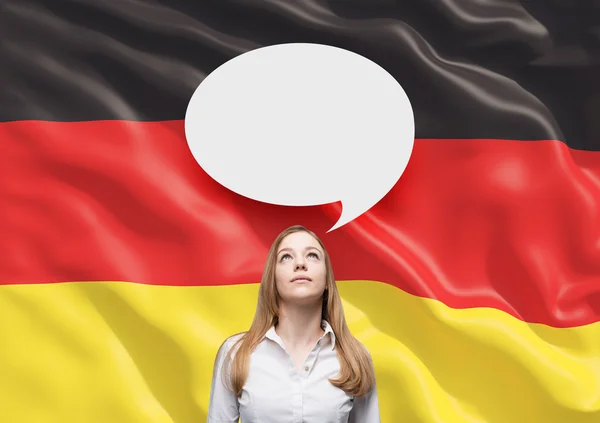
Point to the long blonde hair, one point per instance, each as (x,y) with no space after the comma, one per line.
(356,375)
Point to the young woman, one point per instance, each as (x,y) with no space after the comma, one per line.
(298,362)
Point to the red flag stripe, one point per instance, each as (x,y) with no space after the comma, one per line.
(513,225)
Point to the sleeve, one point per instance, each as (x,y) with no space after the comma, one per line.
(223,405)
(366,408)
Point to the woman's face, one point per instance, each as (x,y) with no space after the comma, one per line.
(300,273)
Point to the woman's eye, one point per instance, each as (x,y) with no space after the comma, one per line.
(287,256)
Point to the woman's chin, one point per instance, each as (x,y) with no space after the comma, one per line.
(303,297)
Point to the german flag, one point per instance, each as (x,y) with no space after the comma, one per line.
(475,283)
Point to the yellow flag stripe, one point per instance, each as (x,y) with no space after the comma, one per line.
(122,352)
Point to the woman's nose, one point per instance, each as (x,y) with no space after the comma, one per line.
(300,265)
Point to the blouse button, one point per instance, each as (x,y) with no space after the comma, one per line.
(306,368)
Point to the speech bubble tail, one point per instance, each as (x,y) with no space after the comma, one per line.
(356,206)
(346,217)
(336,226)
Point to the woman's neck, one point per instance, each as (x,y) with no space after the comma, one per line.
(299,326)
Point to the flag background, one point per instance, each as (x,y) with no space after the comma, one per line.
(475,282)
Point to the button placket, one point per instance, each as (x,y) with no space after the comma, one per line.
(310,360)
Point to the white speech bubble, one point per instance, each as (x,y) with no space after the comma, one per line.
(302,125)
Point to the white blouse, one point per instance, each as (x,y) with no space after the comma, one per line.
(276,393)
